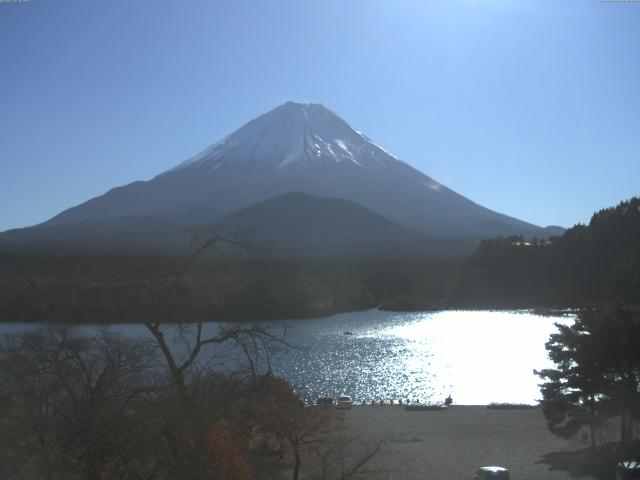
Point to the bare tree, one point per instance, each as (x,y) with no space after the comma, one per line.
(207,239)
(73,405)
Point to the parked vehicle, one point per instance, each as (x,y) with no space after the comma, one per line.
(628,469)
(325,402)
(345,402)
(492,473)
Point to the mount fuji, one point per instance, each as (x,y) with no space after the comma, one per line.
(296,147)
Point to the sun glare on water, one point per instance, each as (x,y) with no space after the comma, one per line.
(480,356)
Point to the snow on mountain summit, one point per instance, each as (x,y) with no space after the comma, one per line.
(293,134)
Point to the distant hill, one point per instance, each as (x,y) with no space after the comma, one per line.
(297,222)
(588,263)
(553,231)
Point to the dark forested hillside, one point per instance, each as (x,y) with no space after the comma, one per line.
(585,265)
(133,288)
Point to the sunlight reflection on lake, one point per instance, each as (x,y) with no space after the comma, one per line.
(478,357)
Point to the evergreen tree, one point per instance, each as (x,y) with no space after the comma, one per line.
(597,372)
(587,265)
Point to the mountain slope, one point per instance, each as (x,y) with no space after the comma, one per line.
(301,222)
(302,148)
(293,223)
(128,233)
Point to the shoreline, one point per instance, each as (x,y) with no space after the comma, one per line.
(539,311)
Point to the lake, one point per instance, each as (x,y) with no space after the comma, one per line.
(478,357)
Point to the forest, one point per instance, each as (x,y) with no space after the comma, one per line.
(586,265)
(122,288)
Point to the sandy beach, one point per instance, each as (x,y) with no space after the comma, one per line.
(452,444)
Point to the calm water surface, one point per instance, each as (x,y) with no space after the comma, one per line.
(478,357)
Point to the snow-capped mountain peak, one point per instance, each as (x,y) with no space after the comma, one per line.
(293,134)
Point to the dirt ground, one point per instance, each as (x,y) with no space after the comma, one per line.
(452,444)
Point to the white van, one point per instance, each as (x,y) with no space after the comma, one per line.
(345,402)
(492,473)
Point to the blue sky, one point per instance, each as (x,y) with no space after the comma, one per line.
(531,108)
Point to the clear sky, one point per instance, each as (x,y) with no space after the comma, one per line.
(531,108)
